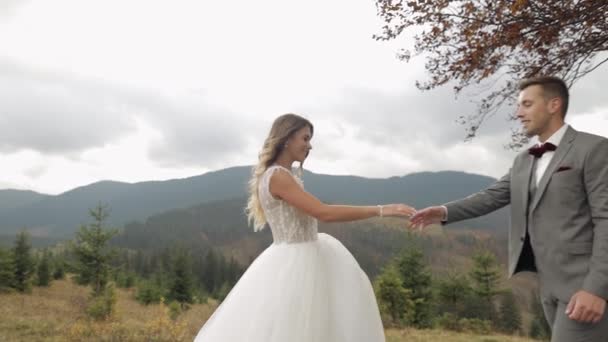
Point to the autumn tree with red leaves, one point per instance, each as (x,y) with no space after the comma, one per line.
(493,44)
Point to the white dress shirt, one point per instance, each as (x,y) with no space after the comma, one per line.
(545,159)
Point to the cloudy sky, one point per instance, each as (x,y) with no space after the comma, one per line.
(134,90)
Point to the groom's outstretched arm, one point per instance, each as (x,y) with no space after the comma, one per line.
(481,203)
(492,198)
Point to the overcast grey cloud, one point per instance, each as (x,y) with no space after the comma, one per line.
(414,130)
(406,115)
(199,93)
(589,93)
(395,133)
(56,114)
(194,133)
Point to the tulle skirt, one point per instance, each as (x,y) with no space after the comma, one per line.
(299,292)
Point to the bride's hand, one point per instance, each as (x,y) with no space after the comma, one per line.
(399,210)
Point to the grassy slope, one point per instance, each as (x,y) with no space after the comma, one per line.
(57,314)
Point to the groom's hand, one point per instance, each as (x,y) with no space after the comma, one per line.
(586,307)
(427,216)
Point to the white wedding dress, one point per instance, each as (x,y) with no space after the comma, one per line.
(305,287)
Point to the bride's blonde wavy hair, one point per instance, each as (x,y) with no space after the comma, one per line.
(283,128)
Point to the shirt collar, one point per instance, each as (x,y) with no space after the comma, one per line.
(556,138)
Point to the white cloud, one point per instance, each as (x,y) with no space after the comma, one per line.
(51,113)
(595,122)
(135,90)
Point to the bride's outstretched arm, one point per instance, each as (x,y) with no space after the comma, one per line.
(283,186)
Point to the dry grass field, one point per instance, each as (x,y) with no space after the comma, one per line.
(57,314)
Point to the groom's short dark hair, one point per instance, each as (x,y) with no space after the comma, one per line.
(552,87)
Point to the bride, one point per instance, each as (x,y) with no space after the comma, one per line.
(306,286)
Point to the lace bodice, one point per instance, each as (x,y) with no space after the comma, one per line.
(287,223)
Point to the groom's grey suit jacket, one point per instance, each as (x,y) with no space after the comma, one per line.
(566,217)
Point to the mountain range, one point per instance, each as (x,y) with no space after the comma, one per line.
(59,216)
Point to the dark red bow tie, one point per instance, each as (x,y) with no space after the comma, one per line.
(540,149)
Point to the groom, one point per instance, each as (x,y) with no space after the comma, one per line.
(558,191)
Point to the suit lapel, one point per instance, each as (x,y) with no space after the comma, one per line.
(560,153)
(528,167)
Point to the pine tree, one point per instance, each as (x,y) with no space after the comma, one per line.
(485,276)
(140,264)
(44,272)
(92,252)
(59,269)
(7,270)
(148,292)
(234,271)
(479,308)
(211,272)
(222,267)
(510,316)
(393,299)
(417,279)
(182,286)
(453,294)
(23,262)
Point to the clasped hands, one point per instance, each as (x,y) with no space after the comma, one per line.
(418,218)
